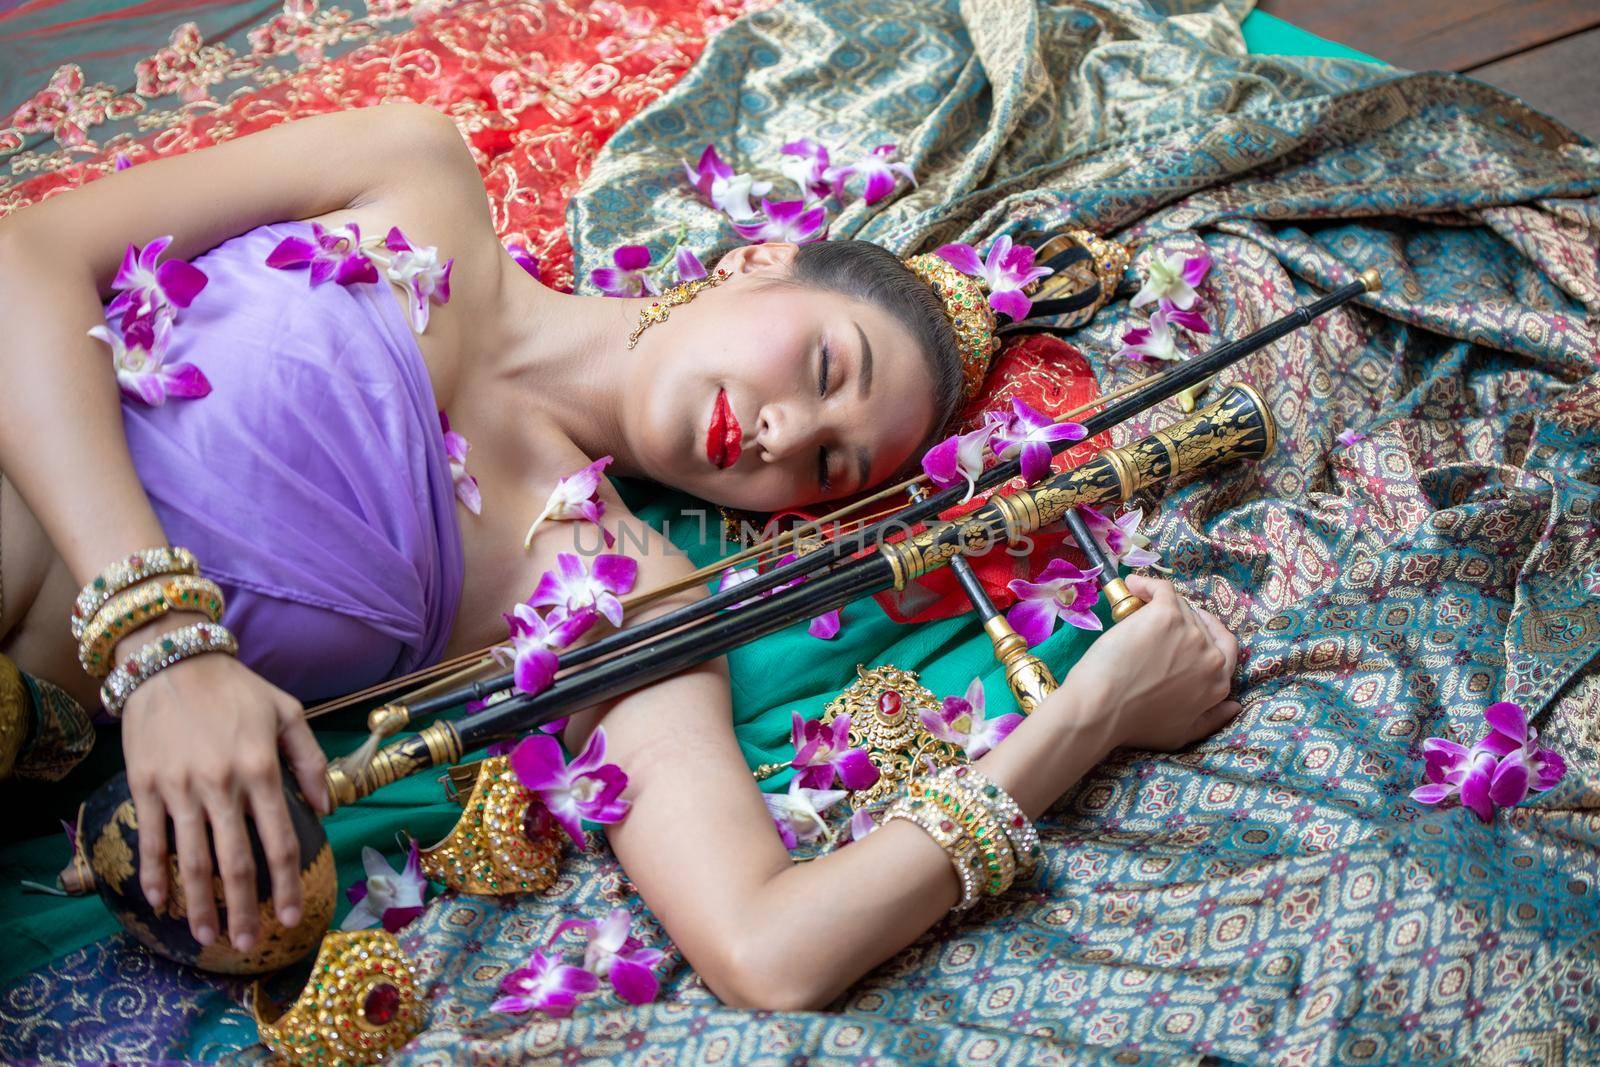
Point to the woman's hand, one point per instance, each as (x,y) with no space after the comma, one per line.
(1161,677)
(201,742)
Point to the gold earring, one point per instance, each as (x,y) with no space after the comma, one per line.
(678,294)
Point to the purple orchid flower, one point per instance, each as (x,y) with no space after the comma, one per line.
(1173,280)
(544,984)
(882,175)
(823,753)
(1498,771)
(1350,436)
(331,254)
(534,641)
(786,220)
(1120,538)
(1525,766)
(961,456)
(147,288)
(960,721)
(1153,341)
(1007,271)
(456,448)
(861,824)
(628,277)
(798,813)
(614,954)
(586,788)
(142,371)
(807,166)
(825,626)
(1031,433)
(1061,591)
(418,270)
(688,266)
(121,161)
(524,259)
(386,896)
(728,192)
(574,498)
(573,587)
(1190,319)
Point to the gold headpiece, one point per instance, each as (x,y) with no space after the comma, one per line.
(359,1005)
(1084,283)
(967,307)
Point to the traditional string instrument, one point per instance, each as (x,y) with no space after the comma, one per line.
(839,570)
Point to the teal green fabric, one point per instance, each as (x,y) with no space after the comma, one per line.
(1267,35)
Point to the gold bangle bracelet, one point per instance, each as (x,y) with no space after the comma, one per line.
(150,563)
(129,610)
(948,835)
(960,804)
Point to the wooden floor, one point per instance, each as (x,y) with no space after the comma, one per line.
(1545,51)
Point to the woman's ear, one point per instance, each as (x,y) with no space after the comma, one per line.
(769,256)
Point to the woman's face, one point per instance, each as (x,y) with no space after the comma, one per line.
(769,398)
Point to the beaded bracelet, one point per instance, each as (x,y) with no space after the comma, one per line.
(127,611)
(949,836)
(158,655)
(1023,834)
(150,563)
(999,865)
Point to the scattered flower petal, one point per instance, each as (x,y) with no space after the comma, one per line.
(786,220)
(544,984)
(882,175)
(1007,271)
(142,373)
(1030,432)
(1155,341)
(419,271)
(1061,591)
(456,447)
(822,753)
(524,259)
(960,721)
(587,788)
(628,277)
(575,498)
(146,288)
(392,898)
(331,254)
(798,813)
(1174,280)
(728,192)
(573,587)
(614,954)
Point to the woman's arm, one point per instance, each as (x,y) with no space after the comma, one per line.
(702,850)
(201,738)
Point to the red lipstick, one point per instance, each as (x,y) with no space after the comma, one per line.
(723,435)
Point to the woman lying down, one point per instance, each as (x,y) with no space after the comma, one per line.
(277,446)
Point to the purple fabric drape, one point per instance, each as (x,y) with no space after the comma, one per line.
(312,484)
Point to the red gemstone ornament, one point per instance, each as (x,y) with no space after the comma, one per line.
(381,1005)
(889,703)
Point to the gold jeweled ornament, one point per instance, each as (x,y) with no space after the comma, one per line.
(679,294)
(504,842)
(360,1004)
(885,705)
(966,305)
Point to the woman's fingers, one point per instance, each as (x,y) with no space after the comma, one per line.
(281,846)
(306,757)
(1220,636)
(151,814)
(238,869)
(194,867)
(1216,717)
(1149,589)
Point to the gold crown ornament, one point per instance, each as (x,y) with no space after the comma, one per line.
(966,305)
(360,1004)
(1086,269)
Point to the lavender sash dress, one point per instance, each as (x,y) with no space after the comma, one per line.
(312,483)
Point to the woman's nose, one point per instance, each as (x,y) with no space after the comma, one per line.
(781,432)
